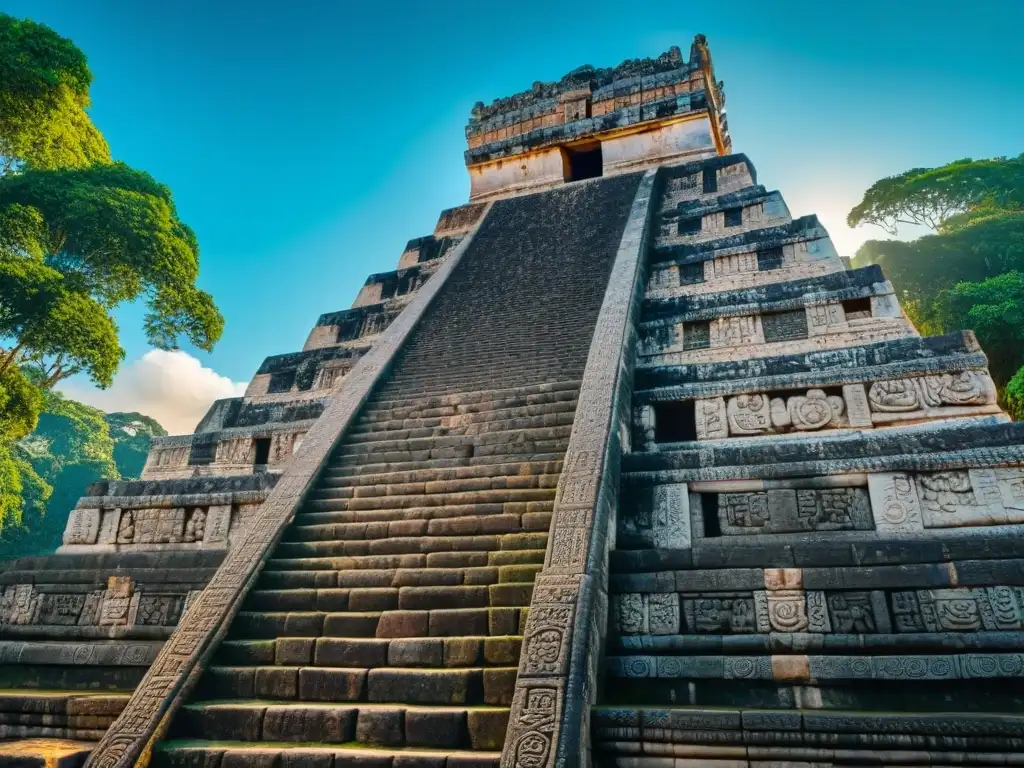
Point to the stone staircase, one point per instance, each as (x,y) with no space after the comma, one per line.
(390,615)
(386,627)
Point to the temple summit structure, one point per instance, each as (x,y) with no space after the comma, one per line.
(622,466)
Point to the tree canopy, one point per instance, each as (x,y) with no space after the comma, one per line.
(80,235)
(74,445)
(44,92)
(931,197)
(969,273)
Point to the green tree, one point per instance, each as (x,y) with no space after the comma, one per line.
(132,433)
(968,272)
(994,309)
(80,234)
(44,92)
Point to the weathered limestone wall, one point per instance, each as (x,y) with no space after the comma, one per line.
(642,113)
(820,515)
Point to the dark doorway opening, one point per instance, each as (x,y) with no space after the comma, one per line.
(675,422)
(583,162)
(262,450)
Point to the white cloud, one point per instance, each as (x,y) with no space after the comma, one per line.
(172,387)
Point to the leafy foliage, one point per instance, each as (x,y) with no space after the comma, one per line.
(1014,395)
(132,434)
(79,235)
(44,92)
(970,272)
(73,446)
(931,197)
(994,309)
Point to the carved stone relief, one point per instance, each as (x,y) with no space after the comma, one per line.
(925,392)
(959,610)
(83,526)
(712,419)
(894,502)
(791,511)
(736,331)
(825,318)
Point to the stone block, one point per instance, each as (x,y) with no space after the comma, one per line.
(503,621)
(276,683)
(461,651)
(424,686)
(435,727)
(316,684)
(416,652)
(293,651)
(487,728)
(403,624)
(458,622)
(353,624)
(334,725)
(499,685)
(381,726)
(351,652)
(895,505)
(83,526)
(503,650)
(251,758)
(307,758)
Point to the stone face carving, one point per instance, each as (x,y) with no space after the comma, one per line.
(749,414)
(971,497)
(195,525)
(959,610)
(645,614)
(823,318)
(894,396)
(815,410)
(20,605)
(852,613)
(670,517)
(790,511)
(117,602)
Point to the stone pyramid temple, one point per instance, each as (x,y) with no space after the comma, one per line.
(622,466)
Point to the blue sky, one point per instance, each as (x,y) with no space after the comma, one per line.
(306,142)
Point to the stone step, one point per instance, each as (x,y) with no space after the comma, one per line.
(408,652)
(379,685)
(314,526)
(351,468)
(484,481)
(421,598)
(455,525)
(386,400)
(510,446)
(227,754)
(333,478)
(373,725)
(306,594)
(45,752)
(437,496)
(324,573)
(387,624)
(478,423)
(402,545)
(330,511)
(371,596)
